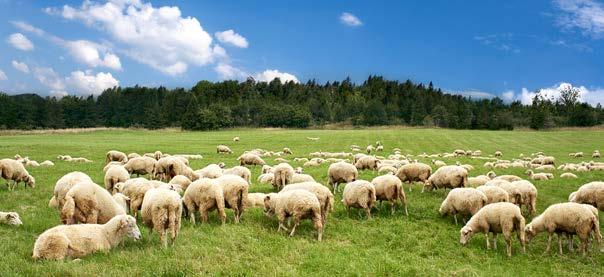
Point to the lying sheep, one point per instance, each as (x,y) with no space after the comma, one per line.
(299,204)
(87,202)
(283,174)
(63,185)
(496,218)
(494,194)
(140,166)
(77,241)
(235,191)
(11,170)
(390,188)
(367,162)
(324,195)
(223,149)
(204,195)
(570,218)
(415,172)
(590,193)
(182,181)
(359,194)
(115,174)
(10,218)
(464,201)
(116,156)
(255,200)
(79,160)
(250,159)
(240,171)
(341,172)
(568,175)
(301,178)
(47,163)
(161,212)
(537,176)
(450,176)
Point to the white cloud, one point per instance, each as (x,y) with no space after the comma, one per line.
(228,72)
(508,96)
(158,37)
(86,83)
(49,78)
(20,42)
(3,76)
(584,15)
(350,19)
(87,52)
(20,66)
(230,37)
(592,96)
(270,74)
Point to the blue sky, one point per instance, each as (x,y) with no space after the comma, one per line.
(478,48)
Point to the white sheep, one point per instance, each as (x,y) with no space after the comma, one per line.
(415,172)
(211,171)
(12,170)
(181,181)
(63,185)
(299,204)
(283,174)
(514,193)
(494,194)
(140,165)
(240,171)
(568,175)
(250,159)
(367,162)
(590,193)
(266,178)
(324,195)
(301,178)
(528,195)
(223,149)
(47,163)
(87,202)
(359,194)
(10,218)
(161,212)
(450,176)
(116,156)
(537,176)
(255,200)
(205,195)
(478,180)
(464,201)
(341,172)
(115,174)
(390,188)
(235,191)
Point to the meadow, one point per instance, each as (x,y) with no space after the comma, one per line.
(422,244)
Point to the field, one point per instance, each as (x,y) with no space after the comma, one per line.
(422,244)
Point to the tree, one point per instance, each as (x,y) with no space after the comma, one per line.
(190,118)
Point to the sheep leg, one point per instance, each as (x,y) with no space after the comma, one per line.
(163,239)
(486,237)
(494,241)
(549,242)
(455,217)
(410,185)
(560,244)
(569,239)
(392,207)
(296,223)
(508,244)
(281,226)
(203,215)
(368,212)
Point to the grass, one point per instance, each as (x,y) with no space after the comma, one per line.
(422,244)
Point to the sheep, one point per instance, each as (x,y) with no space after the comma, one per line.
(63,185)
(509,178)
(367,162)
(379,148)
(298,170)
(494,194)
(537,176)
(79,160)
(546,167)
(496,218)
(514,193)
(341,172)
(10,218)
(299,204)
(63,157)
(122,200)
(590,193)
(359,194)
(528,195)
(414,172)
(235,191)
(116,156)
(570,218)
(133,155)
(313,138)
(236,139)
(182,181)
(568,175)
(463,201)
(171,166)
(438,163)
(115,174)
(255,200)
(390,188)
(47,163)
(478,180)
(77,241)
(11,170)
(287,151)
(283,174)
(324,195)
(135,189)
(596,154)
(110,164)
(250,159)
(204,195)
(223,149)
(450,176)
(498,154)
(369,149)
(266,178)
(161,212)
(140,166)
(302,160)
(240,171)
(211,171)
(301,178)
(87,202)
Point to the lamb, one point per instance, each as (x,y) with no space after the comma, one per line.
(494,194)
(115,174)
(359,194)
(77,241)
(590,193)
(568,175)
(298,204)
(301,178)
(181,181)
(570,218)
(283,174)
(250,159)
(63,185)
(235,191)
(240,171)
(10,218)
(140,165)
(515,196)
(47,163)
(390,188)
(450,176)
(11,170)
(496,218)
(211,171)
(204,195)
(341,172)
(414,172)
(223,149)
(463,201)
(255,200)
(528,195)
(324,195)
(537,176)
(86,202)
(161,212)
(116,156)
(367,162)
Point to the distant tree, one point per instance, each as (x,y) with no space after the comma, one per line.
(190,118)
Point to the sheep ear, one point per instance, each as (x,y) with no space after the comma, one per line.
(10,216)
(124,222)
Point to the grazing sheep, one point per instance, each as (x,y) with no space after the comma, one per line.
(537,176)
(11,170)
(255,200)
(287,151)
(478,180)
(390,188)
(266,178)
(172,166)
(596,154)
(211,171)
(223,149)
(324,195)
(115,174)
(77,241)
(236,139)
(498,154)
(140,166)
(301,178)
(235,191)
(496,218)
(135,189)
(240,171)
(110,164)
(283,174)
(528,195)
(414,172)
(590,193)
(63,185)
(204,195)
(367,162)
(116,156)
(47,163)
(133,155)
(359,194)
(379,148)
(161,211)
(568,175)
(438,163)
(450,176)
(515,196)
(299,204)
(182,181)
(369,149)
(570,218)
(122,200)
(87,202)
(250,159)
(494,194)
(10,218)
(464,201)
(341,172)
(387,169)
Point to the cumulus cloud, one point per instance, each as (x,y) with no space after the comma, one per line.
(592,96)
(270,74)
(508,96)
(20,42)
(159,37)
(226,71)
(350,19)
(586,16)
(3,76)
(86,83)
(49,78)
(20,66)
(230,37)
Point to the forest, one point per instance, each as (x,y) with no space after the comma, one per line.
(217,105)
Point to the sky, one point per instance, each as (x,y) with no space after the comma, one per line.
(486,48)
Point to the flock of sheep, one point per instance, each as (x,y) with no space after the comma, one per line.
(99,218)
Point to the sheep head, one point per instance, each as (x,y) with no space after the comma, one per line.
(466,234)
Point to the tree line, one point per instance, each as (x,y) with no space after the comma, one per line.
(215,105)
